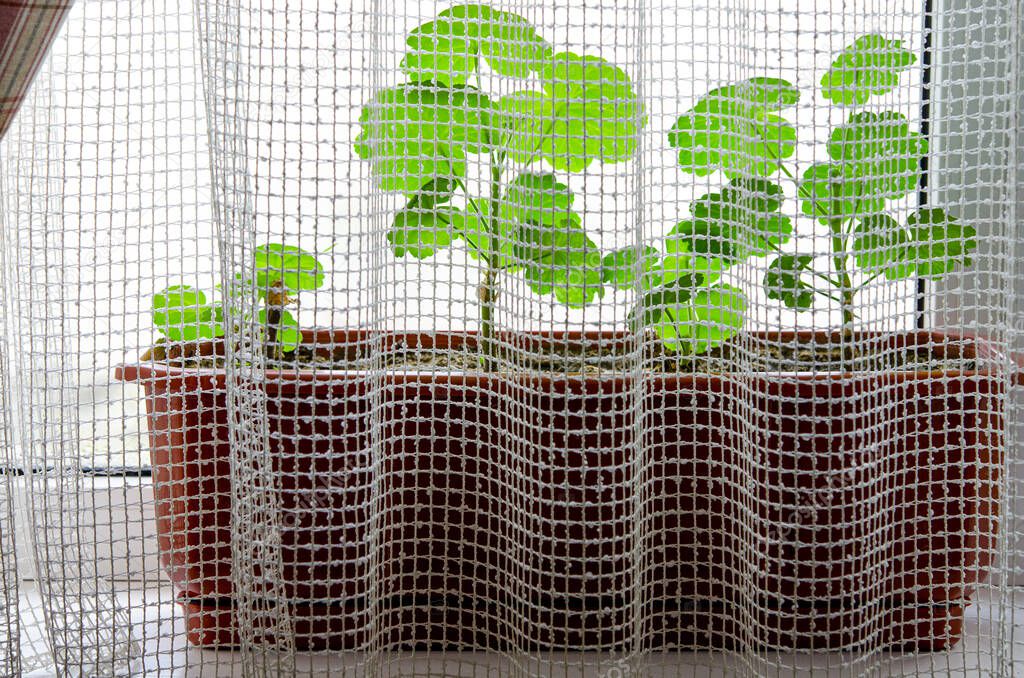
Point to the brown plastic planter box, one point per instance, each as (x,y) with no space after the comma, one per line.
(504,507)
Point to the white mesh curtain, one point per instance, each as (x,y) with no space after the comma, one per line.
(601,338)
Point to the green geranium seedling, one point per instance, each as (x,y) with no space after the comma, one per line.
(562,112)
(874,158)
(737,130)
(182,313)
(684,301)
(281,273)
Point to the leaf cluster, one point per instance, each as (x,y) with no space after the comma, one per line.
(682,300)
(874,158)
(565,110)
(280,273)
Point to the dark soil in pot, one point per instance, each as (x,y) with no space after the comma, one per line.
(828,354)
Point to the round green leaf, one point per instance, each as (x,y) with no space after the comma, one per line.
(828,193)
(561,260)
(677,292)
(296,269)
(420,233)
(880,243)
(437,191)
(591,112)
(689,315)
(876,158)
(413,134)
(719,313)
(181,313)
(438,53)
(448,49)
(683,262)
(742,195)
(537,199)
(709,318)
(735,129)
(624,268)
(941,244)
(709,239)
(784,281)
(871,65)
(510,45)
(741,220)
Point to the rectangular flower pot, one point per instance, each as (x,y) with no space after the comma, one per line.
(464,510)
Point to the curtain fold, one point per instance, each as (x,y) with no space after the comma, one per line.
(61,619)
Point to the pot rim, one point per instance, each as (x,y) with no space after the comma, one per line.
(967,345)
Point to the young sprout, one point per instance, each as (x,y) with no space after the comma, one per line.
(182,313)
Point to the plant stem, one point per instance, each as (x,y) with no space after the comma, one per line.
(273,321)
(488,286)
(841,257)
(846,290)
(275,299)
(487,320)
(839,253)
(847,304)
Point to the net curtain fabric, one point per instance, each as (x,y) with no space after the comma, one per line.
(58,629)
(73,624)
